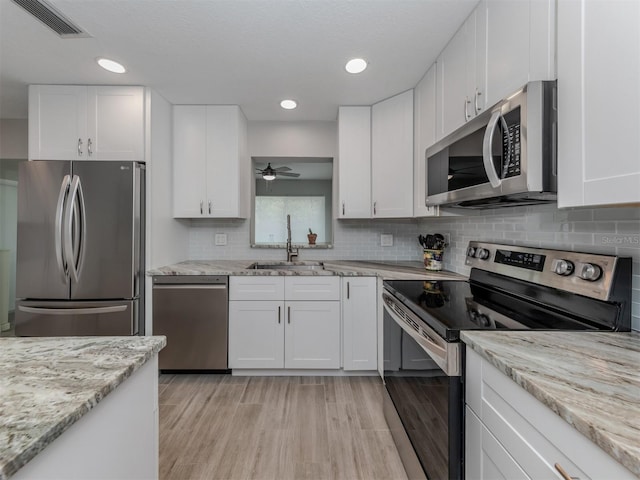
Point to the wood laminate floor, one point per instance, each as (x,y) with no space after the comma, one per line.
(225,427)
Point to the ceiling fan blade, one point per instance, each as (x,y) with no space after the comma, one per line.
(282,169)
(285,174)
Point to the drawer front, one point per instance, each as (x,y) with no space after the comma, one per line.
(312,288)
(258,287)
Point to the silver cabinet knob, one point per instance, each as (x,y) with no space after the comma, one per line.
(482,253)
(590,272)
(562,267)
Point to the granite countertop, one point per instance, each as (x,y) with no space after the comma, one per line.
(47,384)
(387,270)
(590,379)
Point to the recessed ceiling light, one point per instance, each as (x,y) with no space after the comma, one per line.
(356,65)
(111,65)
(288,104)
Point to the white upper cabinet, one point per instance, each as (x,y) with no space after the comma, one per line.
(354,162)
(76,122)
(210,161)
(501,46)
(598,103)
(424,120)
(455,73)
(392,157)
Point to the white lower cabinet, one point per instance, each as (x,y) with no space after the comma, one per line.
(256,334)
(281,333)
(359,318)
(312,335)
(510,434)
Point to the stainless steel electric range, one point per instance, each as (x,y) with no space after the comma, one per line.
(509,288)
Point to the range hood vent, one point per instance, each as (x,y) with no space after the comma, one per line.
(52,18)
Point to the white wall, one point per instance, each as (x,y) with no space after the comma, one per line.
(13,138)
(293,139)
(168,237)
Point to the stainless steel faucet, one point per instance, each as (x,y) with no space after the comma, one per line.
(292,253)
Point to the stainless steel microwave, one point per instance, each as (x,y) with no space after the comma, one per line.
(504,157)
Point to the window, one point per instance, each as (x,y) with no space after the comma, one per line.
(306,213)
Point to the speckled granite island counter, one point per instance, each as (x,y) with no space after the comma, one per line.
(49,385)
(590,379)
(387,270)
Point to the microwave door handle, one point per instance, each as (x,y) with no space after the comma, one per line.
(487,148)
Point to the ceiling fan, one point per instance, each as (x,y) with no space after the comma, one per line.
(270,173)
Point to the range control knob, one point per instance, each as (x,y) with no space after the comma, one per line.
(482,253)
(590,272)
(563,267)
(471,252)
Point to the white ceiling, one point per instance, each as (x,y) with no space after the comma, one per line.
(247,52)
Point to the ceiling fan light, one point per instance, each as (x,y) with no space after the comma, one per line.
(269,176)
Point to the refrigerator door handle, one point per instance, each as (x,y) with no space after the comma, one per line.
(73,228)
(80,241)
(59,249)
(72,311)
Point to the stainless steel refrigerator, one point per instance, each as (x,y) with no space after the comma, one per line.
(80,255)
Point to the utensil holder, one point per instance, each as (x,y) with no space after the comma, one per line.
(432,259)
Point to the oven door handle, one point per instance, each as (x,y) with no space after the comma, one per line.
(447,358)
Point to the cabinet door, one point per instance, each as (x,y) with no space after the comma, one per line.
(115,123)
(57,122)
(312,335)
(392,157)
(359,323)
(256,334)
(354,162)
(424,123)
(507,52)
(222,157)
(598,141)
(189,158)
(454,103)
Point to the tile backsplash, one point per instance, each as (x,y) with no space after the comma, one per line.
(604,230)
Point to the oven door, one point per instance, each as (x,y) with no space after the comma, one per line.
(423,404)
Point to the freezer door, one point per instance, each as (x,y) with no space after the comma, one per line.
(65,319)
(42,192)
(105,229)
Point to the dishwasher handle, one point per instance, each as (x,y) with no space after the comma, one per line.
(177,286)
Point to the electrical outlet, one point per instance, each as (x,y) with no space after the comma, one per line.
(221,239)
(386,240)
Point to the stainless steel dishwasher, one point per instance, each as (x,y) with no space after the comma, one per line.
(192,311)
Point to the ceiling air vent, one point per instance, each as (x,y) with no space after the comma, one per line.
(52,18)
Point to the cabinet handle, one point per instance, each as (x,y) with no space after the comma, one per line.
(79,147)
(467,117)
(201,207)
(475,102)
(564,473)
(375,210)
(343,208)
(209,207)
(347,290)
(89,149)
(279,315)
(288,314)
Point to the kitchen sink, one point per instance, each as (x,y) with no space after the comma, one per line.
(303,266)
